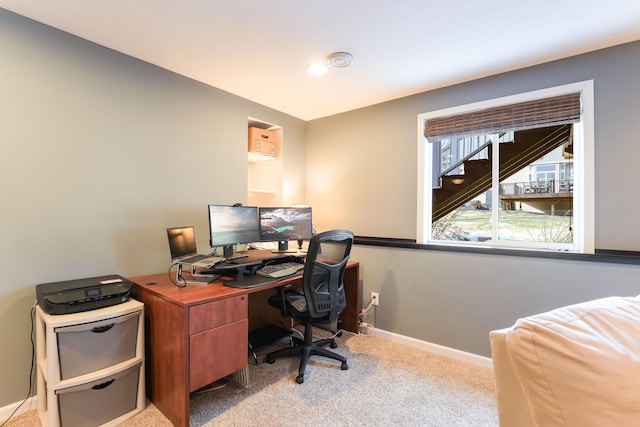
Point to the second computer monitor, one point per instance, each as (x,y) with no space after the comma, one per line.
(232,225)
(284,224)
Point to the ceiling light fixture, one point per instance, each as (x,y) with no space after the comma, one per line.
(317,69)
(336,60)
(340,59)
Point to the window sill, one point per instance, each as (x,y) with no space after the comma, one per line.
(601,255)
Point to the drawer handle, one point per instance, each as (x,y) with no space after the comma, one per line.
(103,385)
(101,329)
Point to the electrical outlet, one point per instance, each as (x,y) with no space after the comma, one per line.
(375,297)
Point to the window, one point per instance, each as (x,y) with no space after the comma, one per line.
(515,172)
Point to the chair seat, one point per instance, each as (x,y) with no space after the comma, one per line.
(293,299)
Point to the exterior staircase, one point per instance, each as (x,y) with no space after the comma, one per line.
(526,147)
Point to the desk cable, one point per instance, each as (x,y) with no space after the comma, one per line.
(366,326)
(337,333)
(33,364)
(216,385)
(184,284)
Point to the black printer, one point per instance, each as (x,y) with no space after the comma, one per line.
(74,296)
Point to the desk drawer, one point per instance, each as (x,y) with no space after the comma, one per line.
(217,353)
(213,314)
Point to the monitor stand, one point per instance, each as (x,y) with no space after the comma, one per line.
(283,248)
(229,254)
(241,268)
(227,251)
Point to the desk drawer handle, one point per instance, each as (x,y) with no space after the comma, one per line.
(101,329)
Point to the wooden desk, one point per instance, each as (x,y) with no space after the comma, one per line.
(198,334)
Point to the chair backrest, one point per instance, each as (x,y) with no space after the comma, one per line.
(322,281)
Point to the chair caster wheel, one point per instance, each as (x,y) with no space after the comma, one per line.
(344,366)
(270,360)
(333,344)
(300,379)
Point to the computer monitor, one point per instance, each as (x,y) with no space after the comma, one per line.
(232,225)
(284,224)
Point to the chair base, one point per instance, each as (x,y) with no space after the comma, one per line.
(307,348)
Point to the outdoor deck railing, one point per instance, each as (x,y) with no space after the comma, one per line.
(537,187)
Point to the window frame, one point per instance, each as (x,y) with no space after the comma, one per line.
(583,169)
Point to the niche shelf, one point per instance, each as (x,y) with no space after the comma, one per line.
(265,163)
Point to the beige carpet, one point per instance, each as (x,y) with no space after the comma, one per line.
(387,384)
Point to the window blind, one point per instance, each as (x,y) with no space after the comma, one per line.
(538,113)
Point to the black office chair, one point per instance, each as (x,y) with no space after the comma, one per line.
(320,300)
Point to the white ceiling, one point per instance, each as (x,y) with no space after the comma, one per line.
(259,49)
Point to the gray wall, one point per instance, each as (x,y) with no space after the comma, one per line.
(99,154)
(455,299)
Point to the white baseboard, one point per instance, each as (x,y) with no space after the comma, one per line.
(436,348)
(5,412)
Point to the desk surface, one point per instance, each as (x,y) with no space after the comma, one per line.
(162,286)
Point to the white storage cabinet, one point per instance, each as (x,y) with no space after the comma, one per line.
(90,365)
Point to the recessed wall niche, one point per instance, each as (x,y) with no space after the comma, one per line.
(264,156)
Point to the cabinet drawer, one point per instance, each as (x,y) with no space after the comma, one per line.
(97,402)
(217,313)
(92,346)
(217,353)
